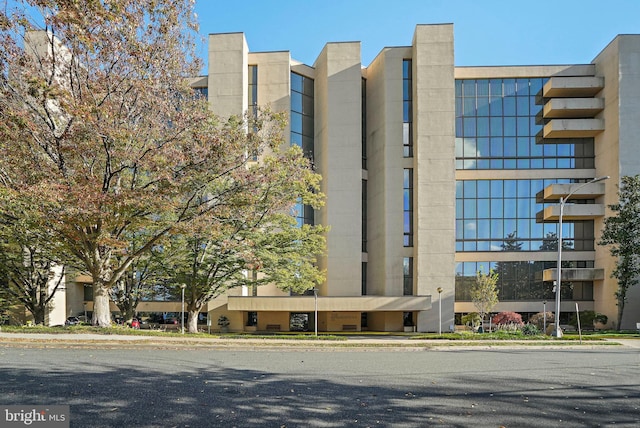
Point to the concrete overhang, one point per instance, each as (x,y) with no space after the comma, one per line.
(329,303)
(574,86)
(573,128)
(574,274)
(572,108)
(572,212)
(556,191)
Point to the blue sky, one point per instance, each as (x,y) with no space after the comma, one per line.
(487,32)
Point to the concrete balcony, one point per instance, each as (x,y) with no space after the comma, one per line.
(572,212)
(574,274)
(572,87)
(573,128)
(329,303)
(567,108)
(556,191)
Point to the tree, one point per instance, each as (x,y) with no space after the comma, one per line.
(257,234)
(140,280)
(622,233)
(471,320)
(102,135)
(507,317)
(30,266)
(541,319)
(484,293)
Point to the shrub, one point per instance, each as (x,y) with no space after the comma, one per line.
(507,318)
(471,320)
(538,320)
(588,319)
(507,328)
(530,330)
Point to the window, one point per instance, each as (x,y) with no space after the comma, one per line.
(252,94)
(364,216)
(501,215)
(408,207)
(364,123)
(407,274)
(498,126)
(522,280)
(302,113)
(407,109)
(364,279)
(301,124)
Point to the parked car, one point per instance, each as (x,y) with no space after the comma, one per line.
(72,321)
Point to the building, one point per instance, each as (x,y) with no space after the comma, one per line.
(434,172)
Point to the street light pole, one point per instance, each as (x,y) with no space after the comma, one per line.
(440,310)
(182,286)
(557,332)
(315,300)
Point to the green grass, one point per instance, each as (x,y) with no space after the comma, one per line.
(499,336)
(504,335)
(123,330)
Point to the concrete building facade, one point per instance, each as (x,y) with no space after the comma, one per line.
(434,172)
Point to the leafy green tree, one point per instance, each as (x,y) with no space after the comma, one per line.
(484,293)
(5,304)
(622,233)
(256,235)
(102,136)
(141,280)
(30,267)
(471,320)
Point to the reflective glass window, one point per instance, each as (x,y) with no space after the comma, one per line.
(301,124)
(494,108)
(494,211)
(408,207)
(407,108)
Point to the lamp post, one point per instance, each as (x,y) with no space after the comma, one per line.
(440,310)
(557,332)
(544,317)
(182,286)
(315,301)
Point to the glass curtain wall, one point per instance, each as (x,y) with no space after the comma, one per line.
(498,127)
(302,129)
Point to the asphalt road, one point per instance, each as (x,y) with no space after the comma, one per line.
(327,387)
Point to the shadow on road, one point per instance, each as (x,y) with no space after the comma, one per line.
(206,392)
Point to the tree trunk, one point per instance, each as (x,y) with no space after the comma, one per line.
(38,315)
(127,311)
(192,322)
(101,309)
(620,311)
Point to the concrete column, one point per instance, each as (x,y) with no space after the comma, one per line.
(434,169)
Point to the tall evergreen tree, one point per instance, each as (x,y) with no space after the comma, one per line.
(622,233)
